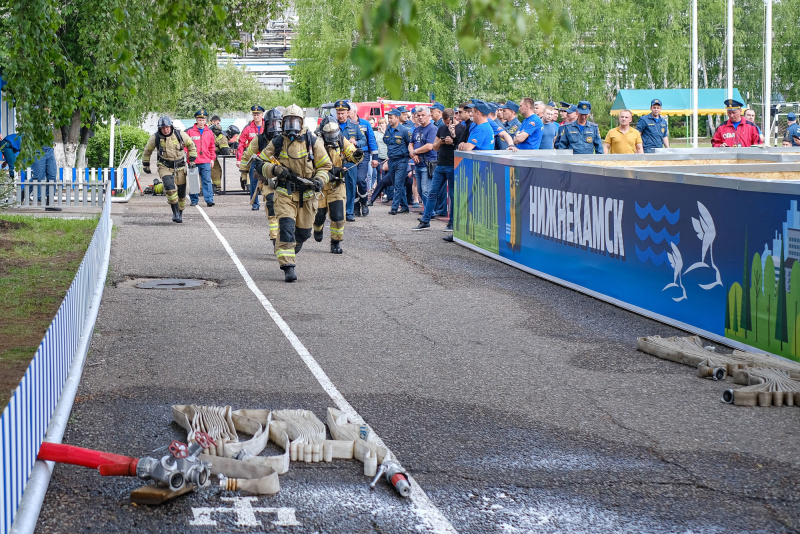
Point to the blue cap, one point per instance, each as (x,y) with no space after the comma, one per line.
(791,116)
(257,108)
(201,113)
(341,104)
(481,106)
(564,106)
(396,112)
(492,107)
(584,107)
(437,105)
(551,104)
(655,102)
(510,105)
(401,109)
(572,108)
(733,104)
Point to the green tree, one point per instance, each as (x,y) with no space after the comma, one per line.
(756,289)
(769,298)
(781,326)
(745,319)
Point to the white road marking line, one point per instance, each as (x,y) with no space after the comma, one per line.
(428,513)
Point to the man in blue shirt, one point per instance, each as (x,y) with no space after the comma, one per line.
(793,130)
(422,152)
(10,146)
(436,114)
(360,207)
(582,136)
(549,128)
(352,133)
(481,136)
(398,148)
(654,128)
(502,139)
(530,135)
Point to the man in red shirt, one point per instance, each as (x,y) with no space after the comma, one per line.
(255,127)
(736,131)
(206,145)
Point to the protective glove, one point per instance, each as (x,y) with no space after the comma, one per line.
(191,162)
(318,184)
(224,151)
(358,154)
(243,176)
(258,164)
(337,172)
(146,167)
(281,173)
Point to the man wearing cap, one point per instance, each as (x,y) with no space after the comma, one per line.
(250,132)
(509,116)
(562,112)
(735,132)
(502,139)
(582,136)
(398,148)
(530,136)
(352,132)
(436,114)
(654,128)
(481,136)
(405,119)
(549,128)
(792,130)
(206,144)
(570,115)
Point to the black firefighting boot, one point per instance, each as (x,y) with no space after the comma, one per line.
(297,247)
(288,273)
(357,208)
(176,213)
(318,236)
(364,207)
(336,247)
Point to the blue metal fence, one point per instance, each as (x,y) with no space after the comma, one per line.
(27,416)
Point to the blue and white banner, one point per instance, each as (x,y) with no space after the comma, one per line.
(721,262)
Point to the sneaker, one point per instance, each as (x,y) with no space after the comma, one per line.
(415,205)
(254,208)
(448,238)
(406,210)
(209,204)
(193,204)
(350,218)
(422,226)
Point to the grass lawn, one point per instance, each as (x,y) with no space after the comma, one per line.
(38,261)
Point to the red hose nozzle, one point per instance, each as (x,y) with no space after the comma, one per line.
(107,463)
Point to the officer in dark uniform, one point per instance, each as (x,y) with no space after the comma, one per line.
(582,136)
(511,122)
(397,139)
(654,128)
(436,114)
(563,110)
(408,123)
(352,132)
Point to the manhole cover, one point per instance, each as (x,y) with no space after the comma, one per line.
(171,283)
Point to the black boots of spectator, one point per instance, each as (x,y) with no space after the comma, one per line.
(176,213)
(336,247)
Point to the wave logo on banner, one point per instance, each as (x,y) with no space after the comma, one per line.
(649,241)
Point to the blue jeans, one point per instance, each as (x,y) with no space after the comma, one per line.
(398,171)
(350,181)
(442,175)
(45,169)
(253,185)
(441,197)
(205,183)
(423,181)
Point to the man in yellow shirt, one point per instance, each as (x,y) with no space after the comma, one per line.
(624,139)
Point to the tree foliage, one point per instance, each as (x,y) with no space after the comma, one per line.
(228,89)
(125,138)
(71,64)
(567,50)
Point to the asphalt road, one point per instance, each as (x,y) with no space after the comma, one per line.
(517,405)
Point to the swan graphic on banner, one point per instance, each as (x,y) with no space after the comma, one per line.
(706,233)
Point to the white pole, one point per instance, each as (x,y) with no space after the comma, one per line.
(730,49)
(111,149)
(768,75)
(694,74)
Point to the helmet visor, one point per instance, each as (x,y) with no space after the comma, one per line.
(292,124)
(274,125)
(330,135)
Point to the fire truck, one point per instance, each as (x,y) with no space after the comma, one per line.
(373,110)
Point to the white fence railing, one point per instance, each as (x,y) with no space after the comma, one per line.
(38,398)
(79,187)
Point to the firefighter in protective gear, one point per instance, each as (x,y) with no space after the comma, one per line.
(299,163)
(259,143)
(232,133)
(223,149)
(169,144)
(341,151)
